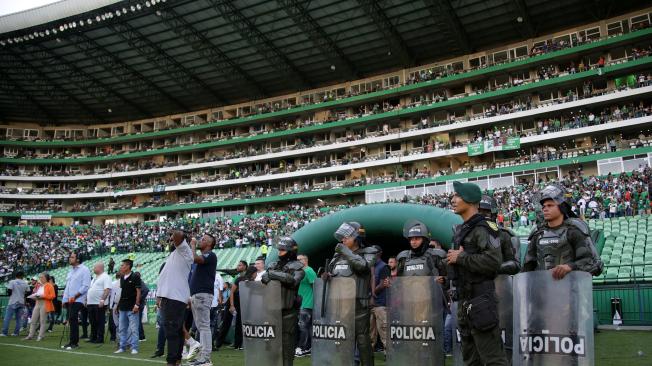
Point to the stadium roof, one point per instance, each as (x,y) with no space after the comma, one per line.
(104,61)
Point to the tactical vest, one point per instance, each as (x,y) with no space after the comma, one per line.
(470,283)
(553,247)
(288,293)
(340,267)
(414,265)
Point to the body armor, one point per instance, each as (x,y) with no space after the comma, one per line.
(553,247)
(290,275)
(468,283)
(424,265)
(357,265)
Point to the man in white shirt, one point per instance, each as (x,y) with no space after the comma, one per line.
(96,301)
(260,269)
(173,293)
(114,297)
(217,303)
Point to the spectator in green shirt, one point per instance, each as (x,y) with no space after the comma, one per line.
(305,314)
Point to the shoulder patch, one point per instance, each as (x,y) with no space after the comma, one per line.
(492,225)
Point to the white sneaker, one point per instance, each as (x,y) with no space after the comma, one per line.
(193,350)
(3,335)
(120,350)
(184,354)
(134,352)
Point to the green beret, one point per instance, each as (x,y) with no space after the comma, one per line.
(469,192)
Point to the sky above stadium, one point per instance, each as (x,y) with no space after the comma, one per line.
(13,6)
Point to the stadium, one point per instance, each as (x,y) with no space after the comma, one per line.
(125,122)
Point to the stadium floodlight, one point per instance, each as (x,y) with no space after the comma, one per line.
(519,19)
(41,34)
(147,4)
(118,13)
(138,6)
(333,67)
(103,17)
(47,32)
(54,31)
(124,10)
(133,8)
(97,18)
(109,110)
(158,12)
(61,28)
(2,43)
(81,23)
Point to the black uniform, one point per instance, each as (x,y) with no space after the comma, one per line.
(289,272)
(358,265)
(473,277)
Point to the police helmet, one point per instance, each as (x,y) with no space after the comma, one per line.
(287,243)
(552,192)
(347,230)
(415,228)
(488,203)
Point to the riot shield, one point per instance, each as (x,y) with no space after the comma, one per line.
(262,325)
(457,338)
(505,313)
(415,322)
(333,322)
(553,319)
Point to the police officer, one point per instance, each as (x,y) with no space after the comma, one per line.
(353,259)
(563,243)
(420,260)
(474,264)
(509,243)
(289,272)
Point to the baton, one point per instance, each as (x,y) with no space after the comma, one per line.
(324,289)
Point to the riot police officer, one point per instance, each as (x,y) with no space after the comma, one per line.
(509,243)
(353,259)
(420,260)
(510,249)
(474,264)
(563,243)
(289,272)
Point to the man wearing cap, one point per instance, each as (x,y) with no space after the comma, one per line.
(353,259)
(563,243)
(474,263)
(509,244)
(289,272)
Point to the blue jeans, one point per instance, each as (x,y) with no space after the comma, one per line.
(448,334)
(17,309)
(160,339)
(128,330)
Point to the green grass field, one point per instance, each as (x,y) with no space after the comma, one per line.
(612,348)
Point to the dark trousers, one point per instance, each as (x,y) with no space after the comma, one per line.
(478,347)
(73,321)
(84,321)
(227,319)
(237,341)
(305,329)
(173,316)
(141,331)
(97,318)
(289,337)
(112,328)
